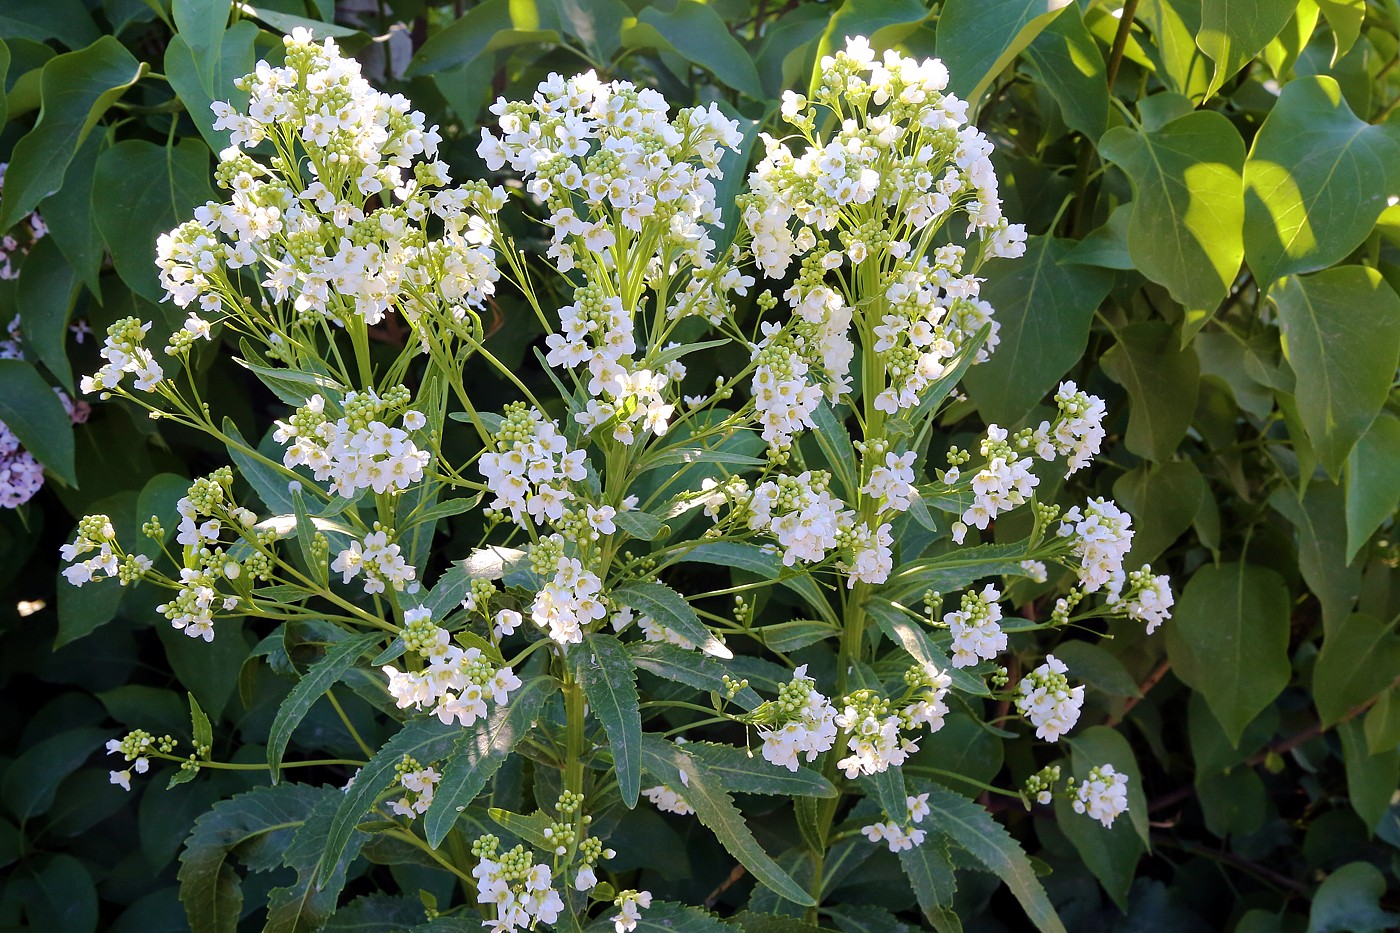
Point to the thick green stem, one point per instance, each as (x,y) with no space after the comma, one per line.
(573,711)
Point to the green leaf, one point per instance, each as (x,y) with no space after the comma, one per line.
(1383,723)
(902,631)
(664,917)
(979,38)
(1234,31)
(1358,660)
(1371,777)
(954,570)
(45,293)
(201,23)
(200,727)
(1163,500)
(1045,310)
(1228,638)
(1373,485)
(740,771)
(883,22)
(1110,853)
(672,766)
(1341,333)
(68,21)
(1099,745)
(1186,231)
(55,757)
(698,34)
(1348,901)
(303,906)
(1179,64)
(1316,179)
(929,868)
(286,22)
(72,227)
(1096,667)
(969,826)
(1106,246)
(425,739)
(202,75)
(323,675)
(670,610)
(1072,69)
(259,824)
(31,409)
(689,668)
(1321,522)
(641,525)
(799,633)
(1345,17)
(76,90)
(478,754)
(753,559)
(835,441)
(493,25)
(67,898)
(146,190)
(604,668)
(1161,379)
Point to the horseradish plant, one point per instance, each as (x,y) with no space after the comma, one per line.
(807,473)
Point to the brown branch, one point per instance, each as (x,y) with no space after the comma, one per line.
(725,885)
(1152,680)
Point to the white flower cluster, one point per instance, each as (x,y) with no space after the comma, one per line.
(613,148)
(783,396)
(975,629)
(630,905)
(801,513)
(1002,484)
(1102,535)
(418,783)
(1103,795)
(134,747)
(321,244)
(360,449)
(651,630)
(892,482)
(530,470)
(1048,701)
(1148,598)
(456,682)
(569,601)
(520,890)
(639,398)
(900,837)
(124,354)
(196,601)
(667,800)
(1078,431)
(874,741)
(801,721)
(380,560)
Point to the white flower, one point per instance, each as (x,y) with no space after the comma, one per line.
(1103,795)
(976,634)
(1047,700)
(667,800)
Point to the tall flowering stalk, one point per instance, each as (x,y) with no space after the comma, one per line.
(808,467)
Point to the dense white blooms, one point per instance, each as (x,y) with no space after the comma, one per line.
(975,629)
(630,905)
(801,513)
(874,736)
(358,450)
(1048,701)
(783,397)
(801,721)
(379,560)
(900,837)
(125,355)
(892,481)
(1078,431)
(418,784)
(455,682)
(1102,535)
(1103,795)
(531,467)
(520,890)
(665,799)
(570,600)
(1144,597)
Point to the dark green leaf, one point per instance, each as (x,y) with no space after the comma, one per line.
(689,668)
(1161,379)
(979,38)
(1321,522)
(1373,485)
(495,24)
(698,34)
(753,559)
(323,675)
(31,409)
(1358,660)
(742,772)
(605,670)
(1072,69)
(1348,901)
(670,610)
(929,868)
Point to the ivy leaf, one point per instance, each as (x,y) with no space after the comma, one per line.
(31,409)
(968,825)
(1162,380)
(76,89)
(1228,638)
(479,753)
(260,824)
(1341,333)
(670,610)
(672,766)
(1045,309)
(338,659)
(979,38)
(604,668)
(1316,179)
(1234,31)
(1186,231)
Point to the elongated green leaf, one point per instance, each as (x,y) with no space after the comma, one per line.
(260,824)
(76,90)
(68,21)
(427,740)
(1179,64)
(1315,182)
(202,75)
(29,408)
(753,559)
(955,569)
(972,828)
(1163,500)
(978,38)
(1373,485)
(1162,380)
(799,633)
(1111,853)
(835,442)
(1072,69)
(286,22)
(1345,17)
(687,455)
(670,610)
(1228,638)
(741,771)
(320,678)
(480,752)
(1341,331)
(302,906)
(1234,31)
(1186,231)
(72,227)
(688,667)
(1320,519)
(604,668)
(698,34)
(929,868)
(670,765)
(905,633)
(641,525)
(1045,309)
(58,756)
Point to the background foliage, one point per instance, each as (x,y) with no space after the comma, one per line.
(1212,187)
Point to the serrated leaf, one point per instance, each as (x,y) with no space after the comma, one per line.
(323,675)
(200,726)
(604,668)
(480,752)
(766,564)
(302,907)
(916,643)
(670,610)
(929,868)
(689,668)
(669,764)
(740,771)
